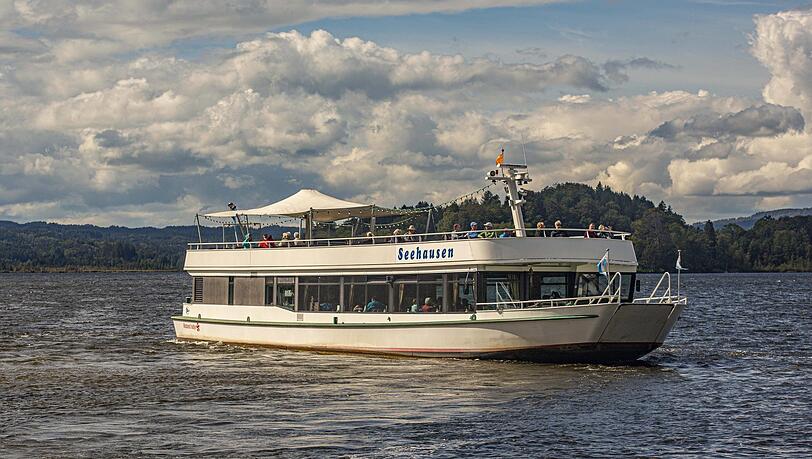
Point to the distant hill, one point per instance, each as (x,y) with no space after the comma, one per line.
(750,222)
(40,246)
(772,244)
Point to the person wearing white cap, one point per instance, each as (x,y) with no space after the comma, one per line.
(411,235)
(396,236)
(488,232)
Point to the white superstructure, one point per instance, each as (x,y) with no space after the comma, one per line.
(439,294)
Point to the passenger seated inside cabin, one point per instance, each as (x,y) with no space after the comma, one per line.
(488,232)
(540,232)
(557,232)
(456,232)
(474,233)
(428,306)
(264,244)
(327,307)
(414,308)
(375,306)
(358,308)
(297,240)
(396,236)
(411,235)
(246,243)
(466,305)
(590,232)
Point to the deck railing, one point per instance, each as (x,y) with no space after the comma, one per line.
(610,295)
(574,233)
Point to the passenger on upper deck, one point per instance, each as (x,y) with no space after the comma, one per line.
(396,236)
(474,233)
(557,232)
(297,239)
(285,242)
(488,232)
(505,233)
(411,235)
(590,232)
(246,243)
(370,238)
(264,244)
(540,232)
(456,232)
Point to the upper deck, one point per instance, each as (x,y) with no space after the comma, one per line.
(435,252)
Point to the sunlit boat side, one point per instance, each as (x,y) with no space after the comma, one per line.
(520,297)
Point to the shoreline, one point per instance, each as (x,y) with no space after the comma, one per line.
(122,270)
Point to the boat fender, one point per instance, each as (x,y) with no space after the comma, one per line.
(388,319)
(473,316)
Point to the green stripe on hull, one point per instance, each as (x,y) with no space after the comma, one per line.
(379,325)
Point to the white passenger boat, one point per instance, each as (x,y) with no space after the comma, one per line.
(528,297)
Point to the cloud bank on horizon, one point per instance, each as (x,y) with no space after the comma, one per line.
(113,126)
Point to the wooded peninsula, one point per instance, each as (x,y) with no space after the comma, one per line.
(783,244)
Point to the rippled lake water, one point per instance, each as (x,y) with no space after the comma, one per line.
(89,367)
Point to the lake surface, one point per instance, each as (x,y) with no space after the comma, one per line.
(89,367)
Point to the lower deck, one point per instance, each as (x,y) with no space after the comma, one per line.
(459,292)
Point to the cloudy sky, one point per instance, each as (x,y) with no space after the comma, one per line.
(145,112)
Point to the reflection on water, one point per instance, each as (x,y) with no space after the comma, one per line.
(89,366)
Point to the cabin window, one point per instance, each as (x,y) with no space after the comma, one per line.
(546,286)
(197,290)
(627,285)
(406,293)
(269,291)
(462,292)
(590,284)
(430,286)
(231,290)
(286,292)
(321,293)
(502,287)
(359,291)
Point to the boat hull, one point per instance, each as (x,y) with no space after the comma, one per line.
(597,333)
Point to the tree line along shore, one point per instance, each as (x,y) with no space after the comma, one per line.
(781,245)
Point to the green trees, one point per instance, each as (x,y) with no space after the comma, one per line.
(771,245)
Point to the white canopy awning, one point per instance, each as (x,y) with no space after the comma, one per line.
(324,208)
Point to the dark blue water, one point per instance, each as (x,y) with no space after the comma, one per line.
(89,367)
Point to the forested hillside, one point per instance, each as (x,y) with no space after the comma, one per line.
(772,245)
(784,244)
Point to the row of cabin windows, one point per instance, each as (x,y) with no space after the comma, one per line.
(402,293)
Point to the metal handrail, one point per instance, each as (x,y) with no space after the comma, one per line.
(392,239)
(662,299)
(609,286)
(657,287)
(552,302)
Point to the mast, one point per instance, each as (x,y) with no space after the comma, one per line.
(513,175)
